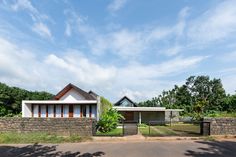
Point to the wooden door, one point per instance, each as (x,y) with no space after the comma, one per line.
(129,116)
(71,107)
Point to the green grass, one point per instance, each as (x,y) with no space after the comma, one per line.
(186,129)
(115,132)
(145,131)
(222,114)
(165,130)
(176,129)
(12,137)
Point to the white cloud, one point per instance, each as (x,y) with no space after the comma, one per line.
(24,4)
(39,26)
(22,67)
(172,50)
(42,30)
(123,43)
(217,23)
(116,5)
(84,70)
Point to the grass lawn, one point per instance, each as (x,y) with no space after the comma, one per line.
(222,114)
(115,132)
(176,129)
(186,129)
(12,137)
(145,131)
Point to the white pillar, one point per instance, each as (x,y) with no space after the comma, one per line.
(98,107)
(140,117)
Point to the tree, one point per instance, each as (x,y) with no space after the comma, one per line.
(108,120)
(199,95)
(198,109)
(11,97)
(105,105)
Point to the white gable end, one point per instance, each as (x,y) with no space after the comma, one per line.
(72,95)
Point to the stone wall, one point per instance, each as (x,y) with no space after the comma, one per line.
(222,126)
(60,126)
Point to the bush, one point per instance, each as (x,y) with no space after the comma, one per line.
(109,120)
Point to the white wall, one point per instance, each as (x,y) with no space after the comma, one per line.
(72,95)
(26,109)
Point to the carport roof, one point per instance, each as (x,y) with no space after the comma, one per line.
(144,109)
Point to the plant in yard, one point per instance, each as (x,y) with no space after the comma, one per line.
(198,109)
(105,105)
(109,120)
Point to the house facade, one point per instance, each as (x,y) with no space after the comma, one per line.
(133,113)
(73,102)
(70,102)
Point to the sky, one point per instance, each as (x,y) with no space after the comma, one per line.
(116,47)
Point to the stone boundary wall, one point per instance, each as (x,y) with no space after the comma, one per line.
(60,126)
(222,126)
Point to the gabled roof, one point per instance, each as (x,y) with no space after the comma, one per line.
(125,97)
(70,86)
(93,94)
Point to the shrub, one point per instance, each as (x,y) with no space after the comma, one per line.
(109,120)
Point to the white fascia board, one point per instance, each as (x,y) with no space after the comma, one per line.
(139,108)
(58,102)
(175,110)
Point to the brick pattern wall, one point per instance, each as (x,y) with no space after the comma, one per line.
(222,126)
(60,126)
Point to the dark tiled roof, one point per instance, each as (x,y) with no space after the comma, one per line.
(125,97)
(93,94)
(86,95)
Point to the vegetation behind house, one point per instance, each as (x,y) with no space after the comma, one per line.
(199,96)
(11,97)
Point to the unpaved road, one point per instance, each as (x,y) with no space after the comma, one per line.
(125,149)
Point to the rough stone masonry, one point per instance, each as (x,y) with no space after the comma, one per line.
(222,126)
(60,126)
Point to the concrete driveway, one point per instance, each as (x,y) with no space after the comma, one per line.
(125,149)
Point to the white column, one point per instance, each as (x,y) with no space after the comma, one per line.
(98,108)
(140,117)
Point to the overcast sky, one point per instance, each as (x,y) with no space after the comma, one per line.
(116,47)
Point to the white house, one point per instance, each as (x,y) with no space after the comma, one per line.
(133,113)
(73,102)
(69,102)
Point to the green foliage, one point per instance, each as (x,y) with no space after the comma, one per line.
(109,120)
(199,96)
(11,97)
(105,105)
(198,109)
(114,132)
(221,114)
